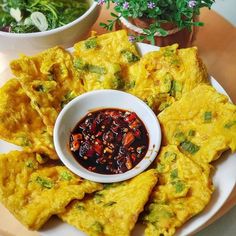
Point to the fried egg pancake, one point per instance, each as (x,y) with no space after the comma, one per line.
(49,79)
(33,192)
(102,61)
(183,190)
(202,124)
(114,210)
(20,124)
(163,76)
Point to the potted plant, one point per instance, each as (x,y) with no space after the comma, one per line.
(161,22)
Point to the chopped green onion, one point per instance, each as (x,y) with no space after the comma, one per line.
(191,132)
(96,69)
(65,176)
(174,174)
(90,43)
(44,182)
(129,56)
(189,147)
(179,186)
(207,116)
(180,136)
(230,124)
(109,204)
(170,155)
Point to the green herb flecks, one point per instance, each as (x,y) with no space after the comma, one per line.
(81,65)
(129,56)
(45,183)
(80,207)
(230,124)
(174,174)
(191,133)
(90,43)
(109,204)
(96,69)
(178,185)
(65,176)
(207,116)
(170,156)
(180,136)
(160,168)
(176,87)
(189,147)
(97,227)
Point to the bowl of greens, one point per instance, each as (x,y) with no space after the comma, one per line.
(33,25)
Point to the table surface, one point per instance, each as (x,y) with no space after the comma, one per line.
(217,46)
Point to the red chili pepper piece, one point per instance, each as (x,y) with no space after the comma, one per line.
(128,139)
(77,136)
(75,145)
(137,133)
(98,148)
(130,117)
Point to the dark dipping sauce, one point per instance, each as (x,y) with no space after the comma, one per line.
(109,141)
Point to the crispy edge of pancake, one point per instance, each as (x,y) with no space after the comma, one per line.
(33,192)
(20,123)
(183,190)
(114,210)
(50,80)
(210,138)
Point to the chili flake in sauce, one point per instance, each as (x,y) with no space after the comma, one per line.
(109,141)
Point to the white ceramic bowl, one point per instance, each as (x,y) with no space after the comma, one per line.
(74,111)
(65,36)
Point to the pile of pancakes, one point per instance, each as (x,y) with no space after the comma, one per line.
(197,122)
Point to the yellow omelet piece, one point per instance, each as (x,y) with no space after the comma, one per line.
(102,61)
(20,124)
(33,192)
(183,190)
(114,210)
(163,76)
(49,79)
(202,124)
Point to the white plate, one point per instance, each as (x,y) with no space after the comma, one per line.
(224,181)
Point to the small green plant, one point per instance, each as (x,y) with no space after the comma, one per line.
(178,12)
(27,16)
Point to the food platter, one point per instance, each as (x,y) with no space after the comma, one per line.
(224,180)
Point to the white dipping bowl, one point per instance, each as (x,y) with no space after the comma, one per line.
(66,36)
(75,110)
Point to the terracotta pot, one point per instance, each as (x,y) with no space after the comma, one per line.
(183,37)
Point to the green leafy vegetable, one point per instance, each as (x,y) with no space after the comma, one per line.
(27,16)
(189,147)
